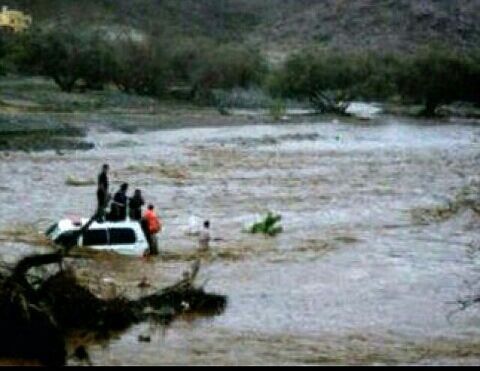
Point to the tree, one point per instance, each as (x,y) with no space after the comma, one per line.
(140,67)
(96,62)
(66,56)
(325,78)
(225,67)
(54,54)
(436,75)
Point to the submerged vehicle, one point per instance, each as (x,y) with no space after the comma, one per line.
(124,237)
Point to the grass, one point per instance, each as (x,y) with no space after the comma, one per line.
(39,94)
(277,109)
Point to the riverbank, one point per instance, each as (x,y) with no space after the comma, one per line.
(35,115)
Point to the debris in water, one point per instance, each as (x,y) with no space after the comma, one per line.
(467,198)
(75,182)
(144,283)
(267,225)
(35,320)
(160,169)
(144,338)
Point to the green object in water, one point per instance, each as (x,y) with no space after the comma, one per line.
(268,225)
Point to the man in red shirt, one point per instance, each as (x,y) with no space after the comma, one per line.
(152,226)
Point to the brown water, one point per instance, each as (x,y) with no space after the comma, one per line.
(353,279)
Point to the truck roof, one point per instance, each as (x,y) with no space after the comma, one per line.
(72,224)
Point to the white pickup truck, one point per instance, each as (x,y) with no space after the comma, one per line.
(124,237)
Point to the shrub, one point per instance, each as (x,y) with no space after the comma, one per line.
(277,109)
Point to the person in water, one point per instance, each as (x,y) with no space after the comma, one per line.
(135,204)
(118,210)
(204,236)
(152,225)
(102,191)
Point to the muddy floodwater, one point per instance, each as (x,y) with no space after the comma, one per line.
(353,278)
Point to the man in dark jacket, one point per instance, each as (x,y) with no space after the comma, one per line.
(119,204)
(102,191)
(135,205)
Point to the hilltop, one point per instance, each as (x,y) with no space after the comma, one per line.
(280,25)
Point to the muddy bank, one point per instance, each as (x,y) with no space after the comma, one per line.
(36,116)
(18,133)
(469,113)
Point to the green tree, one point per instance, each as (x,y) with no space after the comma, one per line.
(375,75)
(96,62)
(66,56)
(436,75)
(326,78)
(314,70)
(53,54)
(225,67)
(141,67)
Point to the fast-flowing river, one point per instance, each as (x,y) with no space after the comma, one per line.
(352,279)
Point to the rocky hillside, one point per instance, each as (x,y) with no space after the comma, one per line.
(282,24)
(373,24)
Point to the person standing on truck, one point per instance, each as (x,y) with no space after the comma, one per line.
(135,204)
(102,192)
(119,204)
(152,226)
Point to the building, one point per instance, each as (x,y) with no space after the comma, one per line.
(14,20)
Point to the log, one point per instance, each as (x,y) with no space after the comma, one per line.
(35,323)
(330,102)
(35,260)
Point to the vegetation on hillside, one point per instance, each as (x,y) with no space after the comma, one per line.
(382,25)
(211,67)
